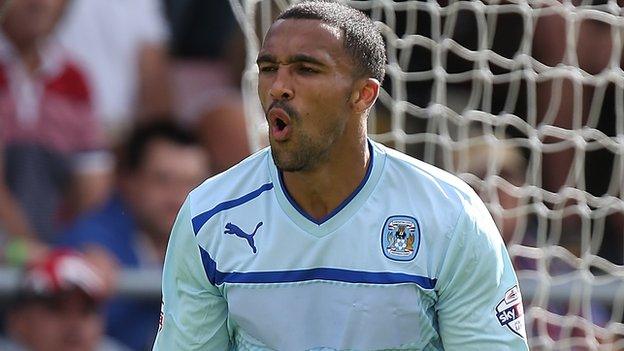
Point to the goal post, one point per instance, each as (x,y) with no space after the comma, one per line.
(524,100)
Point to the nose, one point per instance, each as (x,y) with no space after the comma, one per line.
(281,88)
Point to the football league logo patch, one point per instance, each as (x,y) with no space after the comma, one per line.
(510,312)
(400,238)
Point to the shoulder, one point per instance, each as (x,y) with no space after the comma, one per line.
(236,186)
(433,188)
(450,200)
(424,172)
(454,217)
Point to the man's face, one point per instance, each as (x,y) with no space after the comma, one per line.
(306,79)
(68,323)
(160,185)
(25,21)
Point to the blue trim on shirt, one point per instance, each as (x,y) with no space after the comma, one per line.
(342,205)
(201,219)
(210,266)
(330,274)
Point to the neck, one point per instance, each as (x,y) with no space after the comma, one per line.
(323,189)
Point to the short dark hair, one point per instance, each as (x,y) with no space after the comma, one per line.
(362,39)
(132,152)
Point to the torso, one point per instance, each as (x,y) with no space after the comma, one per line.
(364,278)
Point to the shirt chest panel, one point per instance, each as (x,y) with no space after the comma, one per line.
(300,316)
(260,238)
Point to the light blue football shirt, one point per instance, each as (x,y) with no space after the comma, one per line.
(412,260)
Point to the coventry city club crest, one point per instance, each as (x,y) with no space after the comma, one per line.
(400,238)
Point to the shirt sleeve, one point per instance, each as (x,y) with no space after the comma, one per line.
(194,313)
(479,303)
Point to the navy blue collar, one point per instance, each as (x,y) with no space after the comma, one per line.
(342,205)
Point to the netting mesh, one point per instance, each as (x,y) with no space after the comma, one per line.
(524,100)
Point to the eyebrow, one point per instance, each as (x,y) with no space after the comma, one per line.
(298,58)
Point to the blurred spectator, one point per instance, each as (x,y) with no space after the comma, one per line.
(54,163)
(159,165)
(208,58)
(123,46)
(58,308)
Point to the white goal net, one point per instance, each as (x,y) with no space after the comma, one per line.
(524,100)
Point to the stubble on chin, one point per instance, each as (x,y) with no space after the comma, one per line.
(287,161)
(300,157)
(285,166)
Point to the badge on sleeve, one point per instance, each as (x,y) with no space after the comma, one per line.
(400,238)
(510,312)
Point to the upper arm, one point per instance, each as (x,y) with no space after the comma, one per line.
(194,313)
(476,309)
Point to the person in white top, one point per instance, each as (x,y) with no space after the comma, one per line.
(123,45)
(55,161)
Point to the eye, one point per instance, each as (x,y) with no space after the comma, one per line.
(267,68)
(307,70)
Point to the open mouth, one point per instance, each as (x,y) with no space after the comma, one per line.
(279,122)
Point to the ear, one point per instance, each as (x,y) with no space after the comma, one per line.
(364,94)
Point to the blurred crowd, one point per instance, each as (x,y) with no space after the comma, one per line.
(111,111)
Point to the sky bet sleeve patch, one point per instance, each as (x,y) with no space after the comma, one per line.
(510,312)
